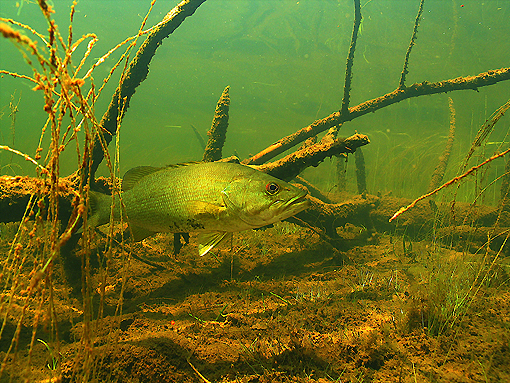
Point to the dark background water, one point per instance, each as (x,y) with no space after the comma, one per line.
(284,62)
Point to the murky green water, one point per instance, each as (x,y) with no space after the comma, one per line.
(284,62)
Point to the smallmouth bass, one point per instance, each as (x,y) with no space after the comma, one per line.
(212,198)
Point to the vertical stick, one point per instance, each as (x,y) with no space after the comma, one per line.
(341,169)
(401,84)
(505,188)
(360,171)
(218,131)
(437,176)
(350,59)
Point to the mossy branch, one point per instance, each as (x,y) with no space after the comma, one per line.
(218,131)
(418,89)
(405,71)
(350,58)
(290,166)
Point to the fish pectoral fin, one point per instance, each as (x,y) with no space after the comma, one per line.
(206,241)
(140,233)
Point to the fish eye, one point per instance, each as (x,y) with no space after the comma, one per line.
(272,188)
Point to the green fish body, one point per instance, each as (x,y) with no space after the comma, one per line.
(213,198)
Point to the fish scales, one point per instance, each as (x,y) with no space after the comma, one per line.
(180,199)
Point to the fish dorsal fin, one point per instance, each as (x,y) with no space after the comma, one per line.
(181,164)
(134,175)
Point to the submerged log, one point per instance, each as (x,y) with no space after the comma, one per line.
(367,212)
(17,192)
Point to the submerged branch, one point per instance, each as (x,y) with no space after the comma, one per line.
(452,181)
(361,179)
(419,89)
(218,131)
(402,81)
(137,73)
(290,166)
(350,58)
(437,176)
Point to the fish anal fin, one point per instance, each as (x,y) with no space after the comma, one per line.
(206,241)
(140,233)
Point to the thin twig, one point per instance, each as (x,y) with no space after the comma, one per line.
(452,181)
(26,156)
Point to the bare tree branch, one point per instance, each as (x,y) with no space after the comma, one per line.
(402,81)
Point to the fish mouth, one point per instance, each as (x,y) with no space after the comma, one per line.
(298,203)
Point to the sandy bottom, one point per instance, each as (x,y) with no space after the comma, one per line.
(282,305)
